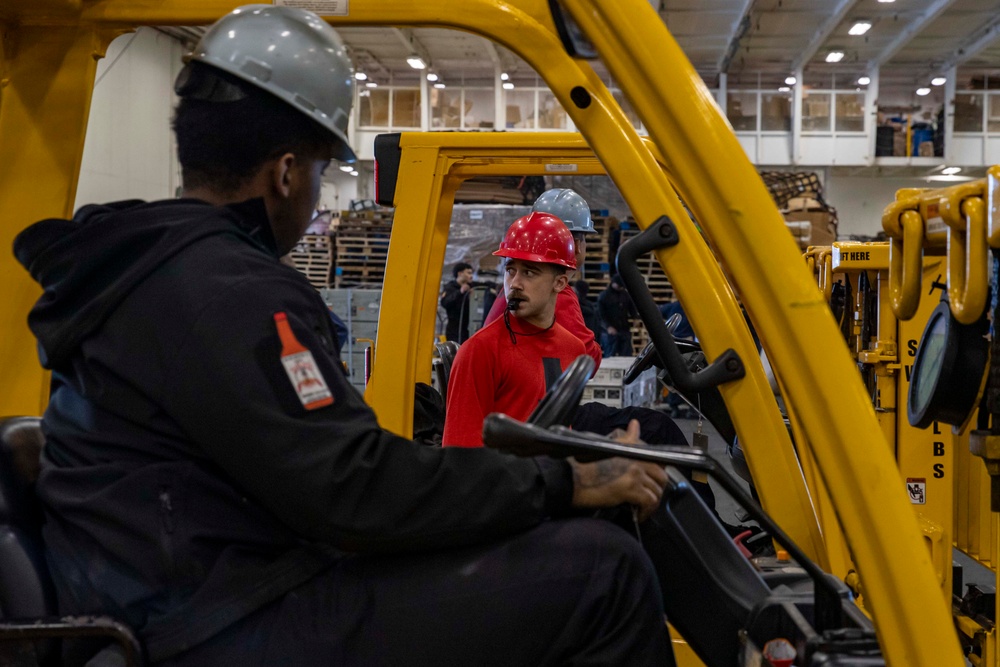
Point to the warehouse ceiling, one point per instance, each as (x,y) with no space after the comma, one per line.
(752,41)
(910,40)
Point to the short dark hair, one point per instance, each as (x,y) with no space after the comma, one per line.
(458,268)
(222,144)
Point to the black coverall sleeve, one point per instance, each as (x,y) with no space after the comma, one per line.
(332,474)
(451,297)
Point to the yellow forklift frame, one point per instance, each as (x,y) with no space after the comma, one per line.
(49,50)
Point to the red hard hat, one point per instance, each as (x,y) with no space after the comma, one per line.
(539,237)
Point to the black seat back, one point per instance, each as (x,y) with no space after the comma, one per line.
(709,588)
(25,587)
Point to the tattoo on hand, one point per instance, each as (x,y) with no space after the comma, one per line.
(603,472)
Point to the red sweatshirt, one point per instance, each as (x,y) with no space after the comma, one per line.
(492,374)
(568,315)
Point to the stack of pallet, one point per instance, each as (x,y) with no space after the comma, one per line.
(361,246)
(658,284)
(312,256)
(597,261)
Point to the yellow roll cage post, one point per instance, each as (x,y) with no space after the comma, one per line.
(49,47)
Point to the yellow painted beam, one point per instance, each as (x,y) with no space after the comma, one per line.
(48,74)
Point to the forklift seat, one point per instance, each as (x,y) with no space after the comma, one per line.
(29,622)
(709,588)
(25,589)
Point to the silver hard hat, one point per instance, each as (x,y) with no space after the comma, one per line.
(568,206)
(292,54)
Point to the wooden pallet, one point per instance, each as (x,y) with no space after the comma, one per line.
(360,251)
(378,216)
(313,257)
(597,261)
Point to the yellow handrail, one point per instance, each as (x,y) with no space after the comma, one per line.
(906,255)
(964,211)
(824,262)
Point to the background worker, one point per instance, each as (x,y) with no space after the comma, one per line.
(587,307)
(572,209)
(210,476)
(508,365)
(455,301)
(615,307)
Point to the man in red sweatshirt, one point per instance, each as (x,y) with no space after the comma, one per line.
(573,210)
(509,364)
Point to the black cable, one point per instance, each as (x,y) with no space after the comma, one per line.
(513,334)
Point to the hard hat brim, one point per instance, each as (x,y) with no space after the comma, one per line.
(533,257)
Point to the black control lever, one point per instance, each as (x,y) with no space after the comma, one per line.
(510,435)
(726,368)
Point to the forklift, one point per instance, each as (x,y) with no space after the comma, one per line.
(49,52)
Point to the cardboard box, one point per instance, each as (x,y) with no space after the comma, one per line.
(809,222)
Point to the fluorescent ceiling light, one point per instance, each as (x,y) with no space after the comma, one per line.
(416,62)
(507,85)
(371,84)
(887,0)
(790,80)
(439,85)
(951,171)
(360,76)
(923,91)
(938,81)
(354,172)
(864,81)
(346,168)
(860,28)
(432,77)
(783,89)
(949,179)
(834,56)
(504,76)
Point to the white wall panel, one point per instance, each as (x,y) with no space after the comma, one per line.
(819,150)
(775,149)
(850,150)
(749,144)
(860,200)
(364,144)
(966,150)
(129,151)
(992,152)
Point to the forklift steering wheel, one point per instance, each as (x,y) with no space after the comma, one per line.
(649,358)
(559,405)
(645,360)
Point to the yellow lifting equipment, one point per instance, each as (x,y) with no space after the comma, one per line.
(47,76)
